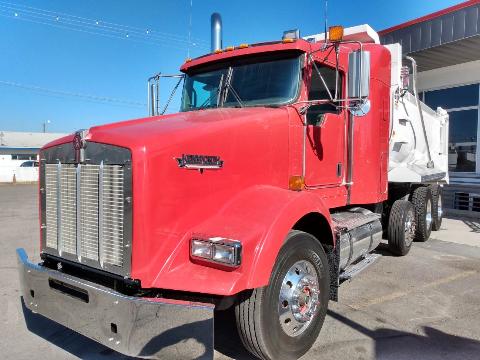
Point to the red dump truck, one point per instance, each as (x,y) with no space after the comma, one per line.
(288,164)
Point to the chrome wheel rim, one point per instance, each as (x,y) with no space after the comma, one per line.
(299,298)
(409,227)
(428,214)
(439,207)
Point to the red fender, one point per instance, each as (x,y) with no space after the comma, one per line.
(260,217)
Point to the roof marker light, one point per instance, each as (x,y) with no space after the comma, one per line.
(229,48)
(335,33)
(243,46)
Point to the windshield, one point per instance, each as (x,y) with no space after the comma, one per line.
(257,83)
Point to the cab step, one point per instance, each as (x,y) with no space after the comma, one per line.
(358,267)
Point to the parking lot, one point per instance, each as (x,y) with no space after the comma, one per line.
(423,306)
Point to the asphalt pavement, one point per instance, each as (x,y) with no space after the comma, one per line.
(422,306)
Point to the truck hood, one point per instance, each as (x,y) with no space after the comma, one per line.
(170,202)
(165,130)
(168,130)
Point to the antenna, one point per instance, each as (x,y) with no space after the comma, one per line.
(326,20)
(190,29)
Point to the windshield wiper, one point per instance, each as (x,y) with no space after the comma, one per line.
(228,87)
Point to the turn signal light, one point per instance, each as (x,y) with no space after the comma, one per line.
(335,33)
(296,183)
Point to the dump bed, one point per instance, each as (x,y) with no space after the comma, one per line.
(418,134)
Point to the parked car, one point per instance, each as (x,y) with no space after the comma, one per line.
(29,163)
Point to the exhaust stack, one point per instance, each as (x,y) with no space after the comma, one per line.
(216,29)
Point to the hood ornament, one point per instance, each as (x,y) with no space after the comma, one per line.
(79,145)
(200,162)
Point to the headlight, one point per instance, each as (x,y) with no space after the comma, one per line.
(217,250)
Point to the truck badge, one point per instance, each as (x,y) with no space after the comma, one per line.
(200,162)
(79,145)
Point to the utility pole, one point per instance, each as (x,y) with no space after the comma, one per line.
(45,125)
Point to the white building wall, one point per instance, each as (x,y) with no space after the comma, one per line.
(461,74)
(11,168)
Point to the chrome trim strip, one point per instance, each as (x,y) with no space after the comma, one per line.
(79,211)
(152,328)
(59,208)
(101,255)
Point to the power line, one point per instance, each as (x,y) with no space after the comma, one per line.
(104,34)
(94,98)
(58,15)
(97,26)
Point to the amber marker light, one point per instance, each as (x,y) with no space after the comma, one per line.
(188,60)
(335,33)
(296,182)
(288,40)
(243,46)
(230,48)
(218,51)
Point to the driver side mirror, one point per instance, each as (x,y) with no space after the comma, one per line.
(359,75)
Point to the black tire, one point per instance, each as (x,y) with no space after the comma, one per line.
(437,207)
(422,202)
(401,227)
(257,312)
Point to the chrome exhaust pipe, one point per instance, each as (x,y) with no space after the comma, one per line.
(216,31)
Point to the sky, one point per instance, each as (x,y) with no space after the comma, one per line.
(77,63)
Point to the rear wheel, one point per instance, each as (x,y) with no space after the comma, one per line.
(437,207)
(401,227)
(422,203)
(283,319)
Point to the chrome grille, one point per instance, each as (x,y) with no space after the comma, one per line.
(112,214)
(51,205)
(89,214)
(67,225)
(84,212)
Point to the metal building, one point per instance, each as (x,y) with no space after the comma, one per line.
(19,154)
(446,46)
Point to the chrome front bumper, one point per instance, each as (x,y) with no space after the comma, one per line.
(143,327)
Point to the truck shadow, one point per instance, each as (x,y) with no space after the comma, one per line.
(388,343)
(227,340)
(397,344)
(85,348)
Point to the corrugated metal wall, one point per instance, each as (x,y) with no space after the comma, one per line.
(444,29)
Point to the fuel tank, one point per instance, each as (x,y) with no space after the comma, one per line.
(359,232)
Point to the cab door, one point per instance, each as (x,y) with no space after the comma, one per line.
(325,140)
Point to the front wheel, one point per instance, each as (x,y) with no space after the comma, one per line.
(283,319)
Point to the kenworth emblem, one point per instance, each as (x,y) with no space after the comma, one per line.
(79,145)
(199,162)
